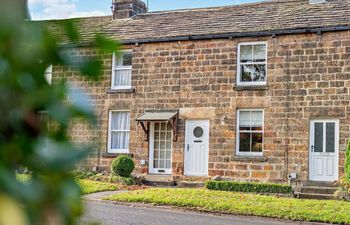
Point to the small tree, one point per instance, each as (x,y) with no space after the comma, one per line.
(122,166)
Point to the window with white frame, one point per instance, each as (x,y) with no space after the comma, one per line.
(122,67)
(252,64)
(250,132)
(119,132)
(48,74)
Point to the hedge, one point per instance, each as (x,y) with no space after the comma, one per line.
(347,163)
(248,187)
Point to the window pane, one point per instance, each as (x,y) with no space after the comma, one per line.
(253,73)
(122,77)
(120,121)
(318,138)
(259,53)
(162,154)
(162,145)
(163,126)
(155,163)
(127,59)
(330,137)
(257,120)
(156,136)
(123,59)
(156,126)
(156,145)
(244,120)
(162,164)
(257,140)
(244,142)
(120,140)
(246,53)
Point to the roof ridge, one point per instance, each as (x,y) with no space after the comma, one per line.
(73,18)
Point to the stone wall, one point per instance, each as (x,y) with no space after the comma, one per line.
(308,77)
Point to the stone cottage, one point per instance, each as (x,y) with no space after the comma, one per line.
(253,92)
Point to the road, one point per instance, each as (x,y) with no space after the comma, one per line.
(111,214)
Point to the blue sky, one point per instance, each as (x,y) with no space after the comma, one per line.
(58,9)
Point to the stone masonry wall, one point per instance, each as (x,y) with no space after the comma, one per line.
(308,77)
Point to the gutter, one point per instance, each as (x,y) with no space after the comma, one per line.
(273,33)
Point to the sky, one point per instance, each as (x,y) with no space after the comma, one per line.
(61,9)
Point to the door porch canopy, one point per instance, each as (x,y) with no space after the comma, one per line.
(172,117)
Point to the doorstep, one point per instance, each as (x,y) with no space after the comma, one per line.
(318,190)
(159,180)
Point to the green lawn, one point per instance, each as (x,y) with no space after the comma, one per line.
(87,186)
(243,204)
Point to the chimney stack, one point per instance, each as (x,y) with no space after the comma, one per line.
(127,8)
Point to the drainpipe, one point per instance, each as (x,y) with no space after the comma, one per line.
(287,133)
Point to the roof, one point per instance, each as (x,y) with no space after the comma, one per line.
(157,116)
(240,20)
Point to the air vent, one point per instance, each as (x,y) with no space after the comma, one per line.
(317,1)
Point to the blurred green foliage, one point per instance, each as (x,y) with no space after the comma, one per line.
(26,50)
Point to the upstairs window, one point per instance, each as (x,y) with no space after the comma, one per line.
(250,130)
(48,75)
(252,63)
(119,132)
(122,67)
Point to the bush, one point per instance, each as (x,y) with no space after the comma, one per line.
(248,187)
(122,166)
(347,164)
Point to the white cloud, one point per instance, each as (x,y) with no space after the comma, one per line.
(59,9)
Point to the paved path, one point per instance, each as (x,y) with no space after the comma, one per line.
(110,214)
(101,195)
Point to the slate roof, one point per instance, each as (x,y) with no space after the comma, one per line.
(239,20)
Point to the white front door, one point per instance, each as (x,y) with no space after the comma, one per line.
(197,147)
(160,146)
(324,150)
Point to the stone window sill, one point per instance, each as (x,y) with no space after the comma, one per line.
(251,88)
(115,155)
(249,158)
(117,91)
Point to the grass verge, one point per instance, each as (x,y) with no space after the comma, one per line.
(87,186)
(243,204)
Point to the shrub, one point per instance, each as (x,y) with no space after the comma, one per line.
(122,166)
(347,163)
(248,187)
